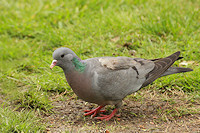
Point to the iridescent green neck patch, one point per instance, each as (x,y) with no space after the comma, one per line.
(79,66)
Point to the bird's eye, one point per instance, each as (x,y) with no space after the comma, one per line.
(62,55)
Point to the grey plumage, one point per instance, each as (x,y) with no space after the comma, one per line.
(107,80)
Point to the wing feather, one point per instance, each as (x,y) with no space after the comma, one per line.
(141,66)
(161,65)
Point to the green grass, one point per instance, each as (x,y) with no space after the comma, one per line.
(31,30)
(22,121)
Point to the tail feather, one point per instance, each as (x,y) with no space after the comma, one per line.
(163,68)
(173,70)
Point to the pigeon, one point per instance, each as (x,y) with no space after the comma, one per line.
(108,80)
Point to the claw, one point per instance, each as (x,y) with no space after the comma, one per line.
(107,117)
(94,111)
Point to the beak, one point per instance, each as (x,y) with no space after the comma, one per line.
(53,63)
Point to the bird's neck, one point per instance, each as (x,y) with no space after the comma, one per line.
(78,64)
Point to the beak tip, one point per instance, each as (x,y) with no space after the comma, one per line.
(53,64)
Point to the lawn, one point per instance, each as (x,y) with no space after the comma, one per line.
(34,98)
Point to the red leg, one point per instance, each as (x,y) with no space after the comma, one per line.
(94,111)
(107,117)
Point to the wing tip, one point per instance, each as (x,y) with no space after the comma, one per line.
(178,52)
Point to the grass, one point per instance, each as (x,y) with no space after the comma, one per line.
(22,121)
(31,30)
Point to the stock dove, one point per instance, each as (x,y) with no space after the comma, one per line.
(108,80)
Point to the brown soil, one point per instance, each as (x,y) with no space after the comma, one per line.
(148,111)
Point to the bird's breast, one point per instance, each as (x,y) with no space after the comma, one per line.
(81,85)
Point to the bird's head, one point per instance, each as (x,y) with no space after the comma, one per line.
(62,56)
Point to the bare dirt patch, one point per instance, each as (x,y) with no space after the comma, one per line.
(148,111)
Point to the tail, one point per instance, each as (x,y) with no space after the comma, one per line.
(173,70)
(162,68)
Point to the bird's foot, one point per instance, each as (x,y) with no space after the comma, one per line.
(94,112)
(107,117)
